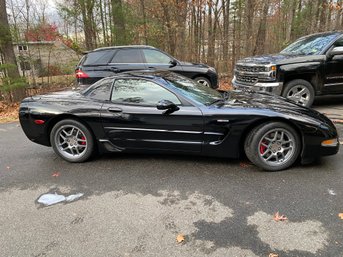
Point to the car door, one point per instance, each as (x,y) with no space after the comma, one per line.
(158,60)
(132,121)
(127,60)
(334,72)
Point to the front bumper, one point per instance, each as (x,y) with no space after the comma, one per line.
(213,79)
(271,87)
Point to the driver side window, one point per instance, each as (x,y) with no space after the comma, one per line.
(153,56)
(140,92)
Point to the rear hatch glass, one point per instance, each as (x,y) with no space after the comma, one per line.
(98,57)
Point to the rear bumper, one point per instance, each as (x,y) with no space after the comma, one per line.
(270,87)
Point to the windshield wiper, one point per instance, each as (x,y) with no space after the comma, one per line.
(218,100)
(225,96)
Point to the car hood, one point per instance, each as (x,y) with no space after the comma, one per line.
(200,65)
(280,59)
(271,105)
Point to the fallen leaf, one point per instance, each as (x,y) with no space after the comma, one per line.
(273,255)
(278,217)
(340,215)
(8,167)
(180,238)
(56,174)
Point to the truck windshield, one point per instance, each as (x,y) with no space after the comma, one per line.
(309,45)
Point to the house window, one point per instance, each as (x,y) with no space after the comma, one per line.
(22,47)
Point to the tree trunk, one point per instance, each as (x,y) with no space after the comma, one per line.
(322,19)
(249,15)
(87,7)
(261,34)
(226,26)
(6,49)
(144,21)
(118,22)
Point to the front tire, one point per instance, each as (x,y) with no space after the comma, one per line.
(203,81)
(299,91)
(72,140)
(273,146)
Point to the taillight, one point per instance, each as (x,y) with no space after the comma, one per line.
(80,74)
(39,122)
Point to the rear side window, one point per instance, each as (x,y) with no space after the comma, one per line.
(128,56)
(100,90)
(98,57)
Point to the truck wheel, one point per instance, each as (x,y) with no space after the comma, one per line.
(299,91)
(203,81)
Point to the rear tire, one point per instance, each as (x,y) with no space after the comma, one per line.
(72,141)
(299,91)
(273,146)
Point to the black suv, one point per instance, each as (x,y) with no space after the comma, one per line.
(107,61)
(311,66)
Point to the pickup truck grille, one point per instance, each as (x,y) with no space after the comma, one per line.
(251,68)
(246,79)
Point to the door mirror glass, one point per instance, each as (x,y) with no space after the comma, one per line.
(167,105)
(173,63)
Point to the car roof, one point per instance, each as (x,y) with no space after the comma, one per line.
(327,33)
(122,47)
(147,74)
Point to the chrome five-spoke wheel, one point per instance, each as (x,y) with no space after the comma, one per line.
(71,140)
(299,94)
(273,146)
(299,91)
(276,147)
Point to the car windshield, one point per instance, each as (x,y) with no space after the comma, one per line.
(191,89)
(311,45)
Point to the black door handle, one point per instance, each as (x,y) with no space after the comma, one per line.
(114,109)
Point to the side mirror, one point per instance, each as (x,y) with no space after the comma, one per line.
(338,50)
(167,105)
(172,63)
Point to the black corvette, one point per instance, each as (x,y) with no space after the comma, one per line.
(167,113)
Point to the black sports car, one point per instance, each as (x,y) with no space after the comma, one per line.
(167,113)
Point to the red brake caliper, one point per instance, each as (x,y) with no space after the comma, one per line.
(83,138)
(262,147)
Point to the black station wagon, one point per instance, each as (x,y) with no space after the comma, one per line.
(107,61)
